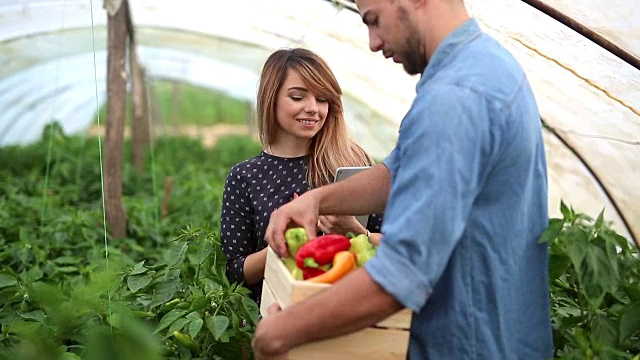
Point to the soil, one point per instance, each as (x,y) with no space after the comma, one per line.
(208,134)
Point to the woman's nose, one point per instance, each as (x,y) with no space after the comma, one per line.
(311,106)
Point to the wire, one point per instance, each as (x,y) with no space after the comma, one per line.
(152,154)
(104,213)
(53,111)
(586,31)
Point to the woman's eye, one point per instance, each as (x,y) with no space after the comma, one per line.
(322,100)
(296,97)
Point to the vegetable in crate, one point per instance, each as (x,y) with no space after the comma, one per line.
(295,271)
(309,272)
(295,238)
(343,263)
(362,248)
(321,250)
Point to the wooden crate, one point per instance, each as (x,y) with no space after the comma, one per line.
(389,339)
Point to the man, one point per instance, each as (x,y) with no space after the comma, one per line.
(465,199)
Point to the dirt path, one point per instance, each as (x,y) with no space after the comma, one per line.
(208,134)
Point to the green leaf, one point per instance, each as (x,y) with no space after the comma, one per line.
(66,260)
(164,292)
(176,254)
(194,327)
(169,318)
(199,302)
(204,251)
(632,291)
(575,245)
(177,325)
(139,268)
(251,308)
(599,221)
(611,236)
(22,328)
(194,315)
(605,330)
(217,325)
(211,286)
(37,315)
(629,321)
(137,282)
(551,232)
(558,265)
(67,269)
(33,274)
(566,211)
(597,275)
(115,320)
(7,280)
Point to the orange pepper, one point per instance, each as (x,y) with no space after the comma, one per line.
(343,263)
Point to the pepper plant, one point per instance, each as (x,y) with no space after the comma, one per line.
(195,308)
(594,277)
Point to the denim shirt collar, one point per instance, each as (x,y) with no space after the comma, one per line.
(445,52)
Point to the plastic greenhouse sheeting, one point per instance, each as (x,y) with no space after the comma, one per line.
(589,99)
(616,20)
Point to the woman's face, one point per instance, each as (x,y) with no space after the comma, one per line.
(300,112)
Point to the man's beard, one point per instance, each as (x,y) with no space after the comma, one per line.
(410,53)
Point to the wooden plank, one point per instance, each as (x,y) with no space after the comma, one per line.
(276,279)
(370,343)
(399,320)
(266,299)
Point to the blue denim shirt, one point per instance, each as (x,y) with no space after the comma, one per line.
(468,202)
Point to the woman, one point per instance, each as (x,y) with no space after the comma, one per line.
(304,137)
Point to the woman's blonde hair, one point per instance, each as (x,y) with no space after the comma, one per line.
(331,147)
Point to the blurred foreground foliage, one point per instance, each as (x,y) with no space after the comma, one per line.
(160,293)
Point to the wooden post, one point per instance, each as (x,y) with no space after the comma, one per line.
(168,187)
(175,105)
(116,108)
(157,118)
(140,120)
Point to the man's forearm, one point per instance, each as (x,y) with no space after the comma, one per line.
(363,193)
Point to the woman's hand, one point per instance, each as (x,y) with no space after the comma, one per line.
(331,224)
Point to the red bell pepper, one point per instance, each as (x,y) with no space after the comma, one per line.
(309,272)
(321,250)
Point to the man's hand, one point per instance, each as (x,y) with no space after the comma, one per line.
(264,347)
(301,211)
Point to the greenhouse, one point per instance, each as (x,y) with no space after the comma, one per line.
(68,281)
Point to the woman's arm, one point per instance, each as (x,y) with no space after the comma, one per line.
(254,267)
(236,231)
